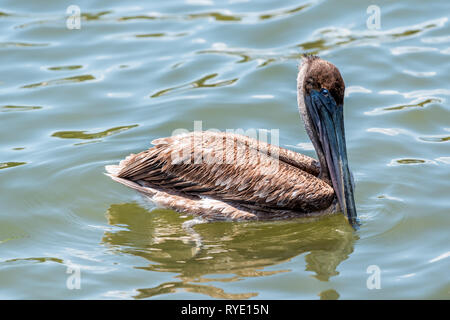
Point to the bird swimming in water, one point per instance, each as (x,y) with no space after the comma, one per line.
(227,176)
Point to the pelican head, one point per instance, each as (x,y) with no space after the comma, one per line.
(321,103)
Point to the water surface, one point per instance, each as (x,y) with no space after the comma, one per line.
(73,101)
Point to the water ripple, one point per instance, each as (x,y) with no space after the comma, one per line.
(333,37)
(35,260)
(22,44)
(75,79)
(10,108)
(263,57)
(440,257)
(200,83)
(5,165)
(417,103)
(95,135)
(407,161)
(222,15)
(404,50)
(435,138)
(64,68)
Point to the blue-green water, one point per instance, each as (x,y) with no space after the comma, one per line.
(73,101)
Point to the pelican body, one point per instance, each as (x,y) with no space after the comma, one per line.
(224,176)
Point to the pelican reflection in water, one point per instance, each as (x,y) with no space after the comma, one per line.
(231,252)
(272,182)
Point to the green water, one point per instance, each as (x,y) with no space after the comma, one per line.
(73,101)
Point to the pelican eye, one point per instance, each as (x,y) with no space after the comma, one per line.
(324,91)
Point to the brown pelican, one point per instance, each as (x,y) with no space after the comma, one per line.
(192,173)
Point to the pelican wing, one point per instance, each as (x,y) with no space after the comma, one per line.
(230,167)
